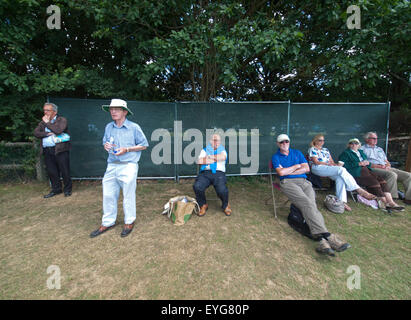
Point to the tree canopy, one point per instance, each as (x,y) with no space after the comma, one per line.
(181,50)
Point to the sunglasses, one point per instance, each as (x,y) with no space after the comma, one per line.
(354,143)
(373,138)
(284,141)
(320,140)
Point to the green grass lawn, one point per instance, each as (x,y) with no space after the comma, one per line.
(249,255)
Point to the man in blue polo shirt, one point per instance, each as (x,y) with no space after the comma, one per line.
(291,166)
(123,140)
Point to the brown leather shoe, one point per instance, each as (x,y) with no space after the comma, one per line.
(100,230)
(203,210)
(228,210)
(324,247)
(127,229)
(337,244)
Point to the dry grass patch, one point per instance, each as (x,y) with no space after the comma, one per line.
(249,255)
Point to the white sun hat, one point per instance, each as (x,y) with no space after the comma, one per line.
(116,103)
(282,137)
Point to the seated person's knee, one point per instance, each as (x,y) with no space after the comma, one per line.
(198,186)
(221,189)
(341,170)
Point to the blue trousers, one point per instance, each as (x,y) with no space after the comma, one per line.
(207,178)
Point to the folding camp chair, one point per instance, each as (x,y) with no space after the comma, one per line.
(273,185)
(353,195)
(316,180)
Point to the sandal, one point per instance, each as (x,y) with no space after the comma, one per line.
(366,195)
(346,207)
(396,208)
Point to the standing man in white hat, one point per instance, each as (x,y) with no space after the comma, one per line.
(123,140)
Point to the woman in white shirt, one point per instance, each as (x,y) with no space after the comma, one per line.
(322,164)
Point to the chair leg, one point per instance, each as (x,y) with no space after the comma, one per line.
(353,195)
(272,192)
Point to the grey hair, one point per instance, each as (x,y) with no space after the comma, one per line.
(366,136)
(55,108)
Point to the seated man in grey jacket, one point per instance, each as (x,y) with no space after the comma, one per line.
(382,167)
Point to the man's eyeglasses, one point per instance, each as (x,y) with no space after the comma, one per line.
(373,138)
(284,141)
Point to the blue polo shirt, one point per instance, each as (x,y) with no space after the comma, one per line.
(128,135)
(282,161)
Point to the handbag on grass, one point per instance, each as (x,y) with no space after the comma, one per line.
(179,209)
(334,204)
(297,222)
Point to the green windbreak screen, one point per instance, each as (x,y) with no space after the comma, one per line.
(177,132)
(240,124)
(87,122)
(338,122)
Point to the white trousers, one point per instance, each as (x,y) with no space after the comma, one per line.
(119,176)
(343,179)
